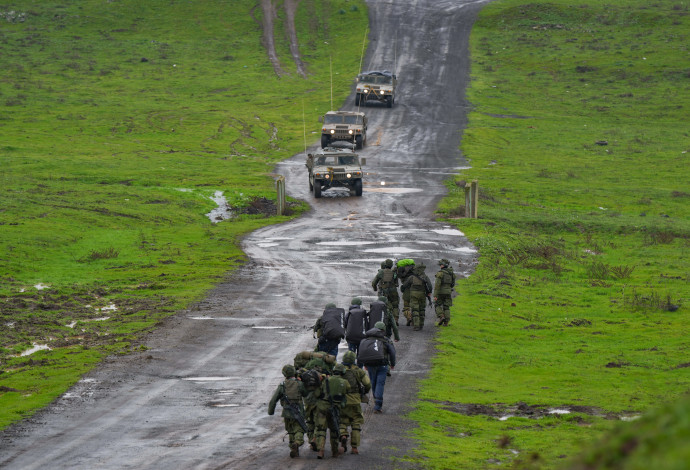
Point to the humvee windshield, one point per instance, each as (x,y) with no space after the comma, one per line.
(339,119)
(332,160)
(377,79)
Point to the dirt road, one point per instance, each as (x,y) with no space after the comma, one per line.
(197,398)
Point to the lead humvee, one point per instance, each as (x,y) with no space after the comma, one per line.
(376,85)
(344,125)
(335,167)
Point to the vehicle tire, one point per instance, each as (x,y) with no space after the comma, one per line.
(357,99)
(325,140)
(358,188)
(317,188)
(358,142)
(311,185)
(389,101)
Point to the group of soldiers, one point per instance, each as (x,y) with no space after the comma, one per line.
(320,395)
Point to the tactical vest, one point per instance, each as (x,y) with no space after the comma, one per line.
(418,283)
(387,279)
(352,380)
(292,390)
(336,387)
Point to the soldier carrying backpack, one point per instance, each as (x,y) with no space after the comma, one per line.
(377,353)
(330,329)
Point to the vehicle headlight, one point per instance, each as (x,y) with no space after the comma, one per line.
(332,131)
(350,132)
(349,175)
(328,176)
(366,91)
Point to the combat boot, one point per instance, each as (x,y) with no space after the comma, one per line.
(294,450)
(313,445)
(354,451)
(343,442)
(320,454)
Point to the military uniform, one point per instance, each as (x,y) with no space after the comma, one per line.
(386,284)
(351,415)
(443,288)
(402,274)
(290,394)
(330,399)
(419,286)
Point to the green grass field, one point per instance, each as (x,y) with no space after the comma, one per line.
(579,140)
(118,122)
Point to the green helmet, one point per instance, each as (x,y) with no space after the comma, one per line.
(383,264)
(444,262)
(339,369)
(356,301)
(389,263)
(289,370)
(330,305)
(380,325)
(349,358)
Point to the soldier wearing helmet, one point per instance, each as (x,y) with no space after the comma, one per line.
(443,288)
(290,394)
(386,284)
(351,415)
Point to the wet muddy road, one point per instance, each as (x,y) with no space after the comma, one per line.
(198,397)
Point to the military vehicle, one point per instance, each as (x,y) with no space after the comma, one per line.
(344,125)
(335,167)
(376,86)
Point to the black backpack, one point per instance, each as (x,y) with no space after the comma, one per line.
(372,352)
(377,313)
(310,379)
(333,323)
(356,325)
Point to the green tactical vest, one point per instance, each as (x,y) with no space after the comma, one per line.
(292,391)
(387,279)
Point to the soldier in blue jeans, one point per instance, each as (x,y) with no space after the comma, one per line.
(378,369)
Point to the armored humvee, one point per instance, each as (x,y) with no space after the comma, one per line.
(335,167)
(344,125)
(376,86)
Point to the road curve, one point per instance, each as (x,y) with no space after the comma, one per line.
(197,398)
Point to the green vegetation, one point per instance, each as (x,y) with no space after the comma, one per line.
(119,121)
(579,140)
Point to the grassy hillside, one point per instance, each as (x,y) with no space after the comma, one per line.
(576,317)
(118,122)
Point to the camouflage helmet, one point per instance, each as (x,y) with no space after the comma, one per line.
(356,301)
(349,358)
(383,264)
(339,369)
(289,370)
(389,263)
(444,262)
(330,305)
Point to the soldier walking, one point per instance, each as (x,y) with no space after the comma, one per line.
(386,284)
(403,272)
(330,400)
(377,353)
(290,394)
(443,287)
(352,415)
(356,321)
(420,289)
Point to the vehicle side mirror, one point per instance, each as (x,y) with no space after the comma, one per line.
(320,118)
(363,160)
(394,77)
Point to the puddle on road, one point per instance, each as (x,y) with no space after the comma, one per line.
(346,243)
(448,231)
(268,327)
(207,379)
(465,249)
(393,250)
(389,190)
(222,405)
(267,244)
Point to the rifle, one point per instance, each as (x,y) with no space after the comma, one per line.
(334,411)
(428,297)
(296,413)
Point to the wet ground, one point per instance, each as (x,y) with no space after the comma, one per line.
(198,397)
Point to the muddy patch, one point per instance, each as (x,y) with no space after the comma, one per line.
(503,411)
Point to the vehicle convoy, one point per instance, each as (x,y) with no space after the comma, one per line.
(376,86)
(335,167)
(344,125)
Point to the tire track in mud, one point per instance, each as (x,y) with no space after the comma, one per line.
(197,397)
